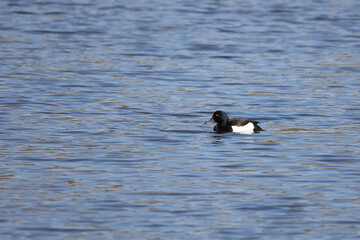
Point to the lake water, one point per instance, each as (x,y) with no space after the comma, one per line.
(103,105)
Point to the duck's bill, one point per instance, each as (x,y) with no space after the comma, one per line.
(210,121)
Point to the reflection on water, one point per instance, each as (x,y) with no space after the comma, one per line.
(102,112)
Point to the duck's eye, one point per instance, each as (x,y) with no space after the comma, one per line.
(217,115)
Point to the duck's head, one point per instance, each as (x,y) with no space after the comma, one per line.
(220,117)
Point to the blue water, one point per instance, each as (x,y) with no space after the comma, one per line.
(102,108)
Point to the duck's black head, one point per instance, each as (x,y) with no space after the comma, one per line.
(220,117)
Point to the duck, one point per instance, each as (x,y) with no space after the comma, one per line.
(236,125)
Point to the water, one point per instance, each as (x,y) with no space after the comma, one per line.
(103,105)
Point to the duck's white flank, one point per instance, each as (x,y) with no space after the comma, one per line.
(246,129)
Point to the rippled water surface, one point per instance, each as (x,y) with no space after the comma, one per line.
(102,108)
